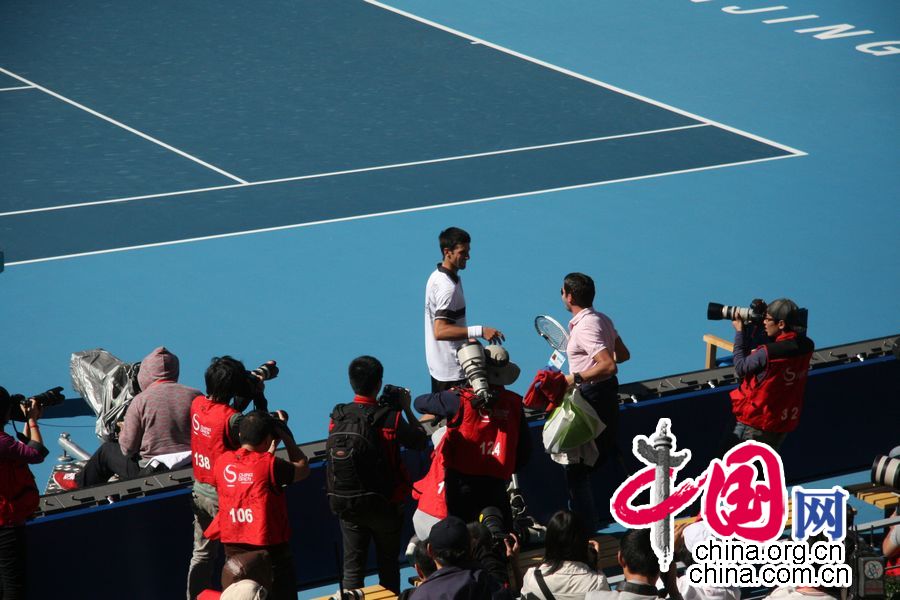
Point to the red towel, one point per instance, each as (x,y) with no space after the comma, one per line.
(546,390)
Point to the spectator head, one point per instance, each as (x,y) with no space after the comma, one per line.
(636,555)
(245,589)
(449,542)
(694,534)
(366,373)
(452,237)
(567,539)
(254,565)
(581,288)
(257,429)
(224,377)
(5,405)
(423,563)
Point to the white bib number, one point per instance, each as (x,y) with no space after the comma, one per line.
(241,515)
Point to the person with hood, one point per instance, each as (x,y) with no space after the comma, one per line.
(156,433)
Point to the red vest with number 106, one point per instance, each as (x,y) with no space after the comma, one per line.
(252,509)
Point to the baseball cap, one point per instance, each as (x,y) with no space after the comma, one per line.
(449,534)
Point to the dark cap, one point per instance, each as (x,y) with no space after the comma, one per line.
(449,534)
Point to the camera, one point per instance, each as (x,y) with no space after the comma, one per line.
(392,396)
(471,358)
(248,387)
(282,431)
(755,313)
(51,397)
(886,471)
(492,519)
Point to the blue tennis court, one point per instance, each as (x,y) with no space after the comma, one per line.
(269,180)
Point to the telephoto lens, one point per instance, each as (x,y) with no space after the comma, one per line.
(51,397)
(266,371)
(492,519)
(471,358)
(886,471)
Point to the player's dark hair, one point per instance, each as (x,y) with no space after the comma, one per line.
(638,553)
(224,376)
(581,287)
(451,237)
(365,373)
(567,539)
(255,427)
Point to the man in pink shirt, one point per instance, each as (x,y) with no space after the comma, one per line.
(594,351)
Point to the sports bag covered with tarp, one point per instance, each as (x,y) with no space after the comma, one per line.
(107,384)
(573,423)
(357,474)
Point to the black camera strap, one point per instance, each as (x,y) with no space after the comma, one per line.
(539,578)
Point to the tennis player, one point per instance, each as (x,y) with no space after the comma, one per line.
(445,313)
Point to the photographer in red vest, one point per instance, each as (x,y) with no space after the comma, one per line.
(215,419)
(768,402)
(487,436)
(19,495)
(253,511)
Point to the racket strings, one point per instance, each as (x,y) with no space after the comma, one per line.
(552,332)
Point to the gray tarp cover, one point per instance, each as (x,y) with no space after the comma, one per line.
(107,385)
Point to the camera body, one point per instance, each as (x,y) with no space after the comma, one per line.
(392,396)
(755,313)
(52,397)
(247,387)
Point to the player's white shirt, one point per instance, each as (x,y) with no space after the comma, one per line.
(444,299)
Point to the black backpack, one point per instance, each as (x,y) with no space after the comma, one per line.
(357,475)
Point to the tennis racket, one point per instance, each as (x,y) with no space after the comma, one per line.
(555,335)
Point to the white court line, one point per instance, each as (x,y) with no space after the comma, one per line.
(393,212)
(21,87)
(350,171)
(123,126)
(585,78)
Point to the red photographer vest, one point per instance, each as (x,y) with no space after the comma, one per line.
(774,404)
(429,490)
(485,441)
(252,509)
(19,496)
(209,429)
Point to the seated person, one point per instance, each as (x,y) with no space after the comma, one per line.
(156,434)
(640,566)
(424,565)
(570,568)
(450,547)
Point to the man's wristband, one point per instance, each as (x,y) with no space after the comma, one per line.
(475,331)
(32,424)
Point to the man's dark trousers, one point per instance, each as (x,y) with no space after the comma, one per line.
(380,523)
